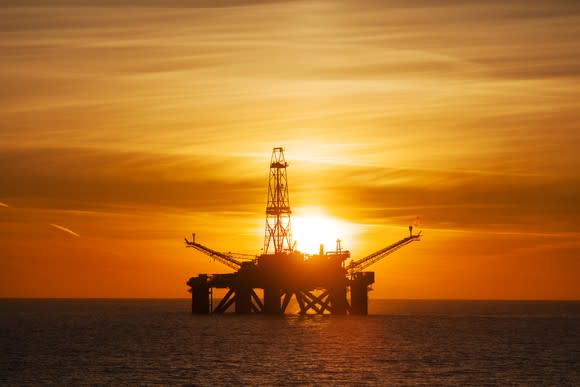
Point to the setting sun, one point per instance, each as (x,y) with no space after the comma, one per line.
(311,226)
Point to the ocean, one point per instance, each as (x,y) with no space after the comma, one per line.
(401,343)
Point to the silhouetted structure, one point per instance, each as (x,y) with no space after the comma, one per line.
(319,283)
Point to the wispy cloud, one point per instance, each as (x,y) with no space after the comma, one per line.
(67,230)
(4,205)
(566,235)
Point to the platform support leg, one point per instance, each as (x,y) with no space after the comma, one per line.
(243,300)
(359,298)
(200,295)
(272,301)
(338,303)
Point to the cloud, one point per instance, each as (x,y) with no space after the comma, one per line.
(95,179)
(67,230)
(565,235)
(450,199)
(85,179)
(445,79)
(138,3)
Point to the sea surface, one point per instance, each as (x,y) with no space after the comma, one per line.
(401,343)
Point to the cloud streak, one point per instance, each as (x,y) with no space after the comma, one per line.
(67,230)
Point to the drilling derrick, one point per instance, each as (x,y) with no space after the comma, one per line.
(278,237)
(318,283)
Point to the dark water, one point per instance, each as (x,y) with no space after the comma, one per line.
(403,342)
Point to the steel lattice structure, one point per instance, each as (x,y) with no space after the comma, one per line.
(278,234)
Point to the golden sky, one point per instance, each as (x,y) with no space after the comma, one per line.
(126,125)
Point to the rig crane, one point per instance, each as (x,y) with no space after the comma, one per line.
(226,259)
(356,266)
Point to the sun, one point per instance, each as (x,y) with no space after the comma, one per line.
(311,226)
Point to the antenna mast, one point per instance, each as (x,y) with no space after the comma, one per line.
(278,236)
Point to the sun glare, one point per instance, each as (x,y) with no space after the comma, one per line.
(311,226)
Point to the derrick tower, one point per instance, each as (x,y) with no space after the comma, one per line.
(278,234)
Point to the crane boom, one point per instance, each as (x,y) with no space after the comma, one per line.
(226,259)
(241,256)
(363,263)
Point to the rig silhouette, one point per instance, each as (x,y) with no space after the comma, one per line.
(321,284)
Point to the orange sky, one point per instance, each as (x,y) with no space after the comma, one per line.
(126,125)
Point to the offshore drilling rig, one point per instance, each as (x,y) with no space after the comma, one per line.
(321,284)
